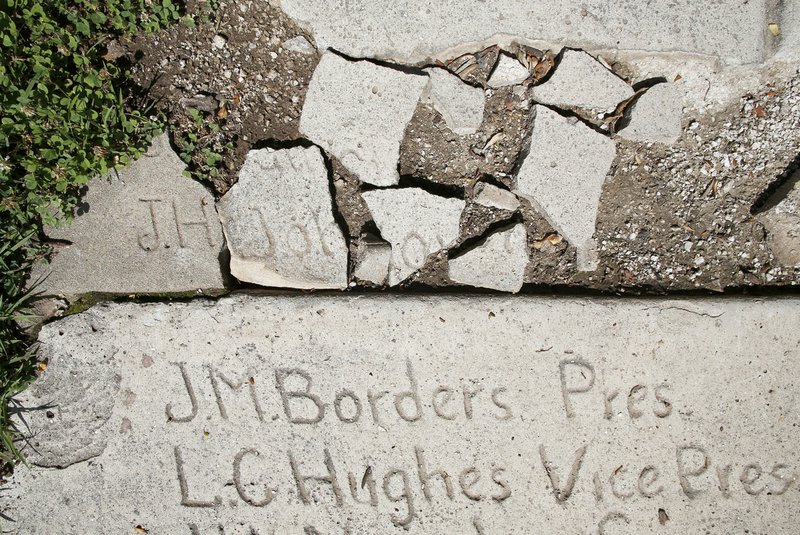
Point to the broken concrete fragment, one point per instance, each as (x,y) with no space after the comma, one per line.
(279,223)
(375,255)
(563,177)
(416,223)
(299,44)
(782,222)
(508,71)
(494,197)
(499,263)
(460,104)
(655,116)
(358,111)
(581,81)
(143,229)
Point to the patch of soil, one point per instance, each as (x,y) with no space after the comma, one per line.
(237,73)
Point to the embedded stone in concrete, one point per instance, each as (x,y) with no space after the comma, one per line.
(416,223)
(563,176)
(390,414)
(460,104)
(143,229)
(508,71)
(299,44)
(655,116)
(375,256)
(278,219)
(782,222)
(358,112)
(579,80)
(412,32)
(499,263)
(494,197)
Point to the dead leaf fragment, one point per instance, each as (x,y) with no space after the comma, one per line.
(222,112)
(759,111)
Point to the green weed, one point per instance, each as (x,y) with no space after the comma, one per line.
(65,118)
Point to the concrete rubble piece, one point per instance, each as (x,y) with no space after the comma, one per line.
(413,415)
(460,104)
(580,81)
(358,111)
(375,258)
(416,223)
(494,197)
(655,116)
(508,71)
(782,223)
(279,223)
(143,229)
(499,263)
(563,177)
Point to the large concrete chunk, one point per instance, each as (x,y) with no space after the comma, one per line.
(144,229)
(655,116)
(499,263)
(563,176)
(416,223)
(279,222)
(411,31)
(460,104)
(358,112)
(418,415)
(581,81)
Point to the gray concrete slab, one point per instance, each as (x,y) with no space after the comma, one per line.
(144,229)
(278,219)
(417,414)
(734,30)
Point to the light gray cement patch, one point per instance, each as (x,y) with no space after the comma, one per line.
(467,415)
(278,219)
(415,31)
(358,112)
(145,229)
(563,176)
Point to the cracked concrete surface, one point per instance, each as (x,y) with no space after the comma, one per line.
(671,142)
